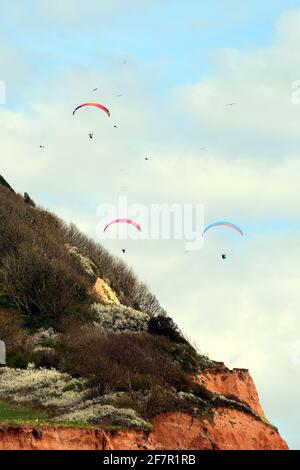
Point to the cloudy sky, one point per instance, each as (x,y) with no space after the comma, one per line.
(184,61)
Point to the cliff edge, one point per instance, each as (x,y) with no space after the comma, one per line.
(227,429)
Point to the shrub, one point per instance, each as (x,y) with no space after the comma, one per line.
(89,267)
(43,387)
(159,400)
(105,416)
(12,331)
(45,337)
(165,326)
(44,353)
(41,284)
(19,359)
(120,361)
(183,353)
(18,343)
(120,318)
(45,357)
(4,183)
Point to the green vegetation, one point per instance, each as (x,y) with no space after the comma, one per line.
(267,422)
(11,413)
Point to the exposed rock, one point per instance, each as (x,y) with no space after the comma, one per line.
(232,383)
(229,430)
(105,293)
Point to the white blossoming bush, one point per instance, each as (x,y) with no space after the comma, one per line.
(190,399)
(45,337)
(49,388)
(45,387)
(42,349)
(120,318)
(86,263)
(106,415)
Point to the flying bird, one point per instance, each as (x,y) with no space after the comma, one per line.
(95,89)
(120,94)
(42,147)
(230,104)
(123,250)
(147,158)
(116,126)
(223,256)
(91,135)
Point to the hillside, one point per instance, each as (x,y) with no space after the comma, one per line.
(94,361)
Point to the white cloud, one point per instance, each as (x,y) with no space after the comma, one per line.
(84,14)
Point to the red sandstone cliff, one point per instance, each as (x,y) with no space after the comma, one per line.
(236,383)
(228,429)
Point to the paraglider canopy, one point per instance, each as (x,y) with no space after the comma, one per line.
(224,224)
(96,105)
(125,221)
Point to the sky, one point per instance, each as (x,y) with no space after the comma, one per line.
(184,62)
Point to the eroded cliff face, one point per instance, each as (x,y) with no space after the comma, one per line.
(235,383)
(227,429)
